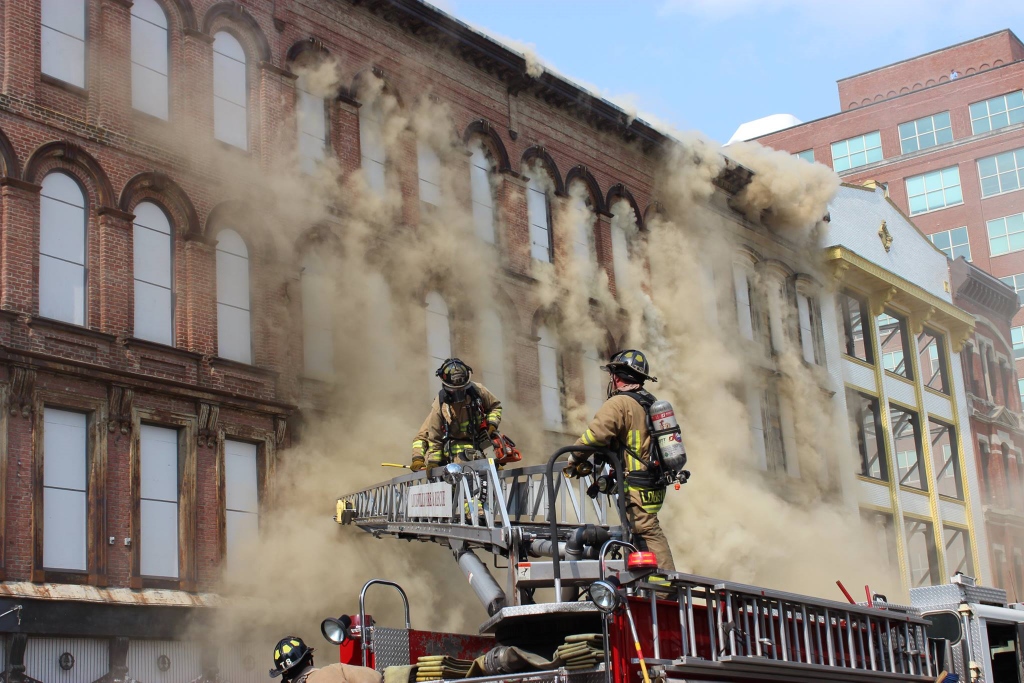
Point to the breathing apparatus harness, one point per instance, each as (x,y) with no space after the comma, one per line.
(667,456)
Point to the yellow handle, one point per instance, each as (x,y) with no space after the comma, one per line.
(393,464)
(643,666)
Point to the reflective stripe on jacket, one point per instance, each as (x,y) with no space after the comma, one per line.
(461,432)
(623,420)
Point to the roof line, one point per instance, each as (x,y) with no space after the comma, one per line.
(941,49)
(888,99)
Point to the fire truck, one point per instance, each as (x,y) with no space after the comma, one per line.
(608,617)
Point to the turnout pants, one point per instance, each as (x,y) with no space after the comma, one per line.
(645,525)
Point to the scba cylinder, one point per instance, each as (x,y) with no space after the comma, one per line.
(669,438)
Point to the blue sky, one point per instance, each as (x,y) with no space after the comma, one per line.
(710,65)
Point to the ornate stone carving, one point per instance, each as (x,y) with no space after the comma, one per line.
(280,430)
(208,414)
(23,385)
(879,298)
(885,236)
(120,399)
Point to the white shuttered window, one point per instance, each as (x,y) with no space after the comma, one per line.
(492,352)
(62,40)
(62,249)
(744,313)
(230,91)
(595,384)
(482,194)
(439,338)
(150,58)
(241,498)
(65,473)
(158,514)
(311,116)
(540,221)
(371,148)
(804,309)
(583,239)
(429,167)
(234,326)
(154,275)
(550,381)
(317,318)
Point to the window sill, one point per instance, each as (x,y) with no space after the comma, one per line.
(951,499)
(859,361)
(158,346)
(890,373)
(138,582)
(217,361)
(64,85)
(1000,194)
(911,489)
(69,328)
(873,480)
(83,578)
(938,393)
(228,147)
(150,119)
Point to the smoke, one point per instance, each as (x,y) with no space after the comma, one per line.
(364,273)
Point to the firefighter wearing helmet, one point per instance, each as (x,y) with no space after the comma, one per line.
(293,662)
(453,427)
(622,423)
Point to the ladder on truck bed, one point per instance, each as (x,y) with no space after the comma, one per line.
(476,506)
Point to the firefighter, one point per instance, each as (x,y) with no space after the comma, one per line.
(622,423)
(454,426)
(293,662)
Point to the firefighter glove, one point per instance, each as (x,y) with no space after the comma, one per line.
(492,428)
(418,463)
(577,470)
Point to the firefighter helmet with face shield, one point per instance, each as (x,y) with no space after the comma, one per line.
(291,656)
(455,376)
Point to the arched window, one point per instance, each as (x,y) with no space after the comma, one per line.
(234,324)
(62,226)
(581,208)
(313,124)
(62,40)
(492,352)
(371,147)
(480,169)
(439,338)
(317,318)
(594,379)
(154,274)
(623,223)
(550,379)
(149,58)
(428,165)
(230,91)
(538,210)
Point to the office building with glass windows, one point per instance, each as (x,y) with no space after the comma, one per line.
(902,343)
(944,132)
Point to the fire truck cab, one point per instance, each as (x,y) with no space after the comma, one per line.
(979,634)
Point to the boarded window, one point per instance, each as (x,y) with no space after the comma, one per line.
(756,416)
(550,379)
(241,498)
(230,91)
(439,338)
(234,325)
(429,168)
(158,491)
(62,249)
(62,40)
(807,313)
(65,473)
(744,311)
(371,147)
(150,58)
(480,170)
(620,251)
(317,318)
(313,123)
(595,385)
(539,213)
(583,217)
(154,275)
(492,353)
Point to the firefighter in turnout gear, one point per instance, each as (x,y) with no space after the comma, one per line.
(293,662)
(622,423)
(453,427)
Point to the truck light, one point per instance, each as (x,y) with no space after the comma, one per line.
(336,630)
(642,560)
(605,596)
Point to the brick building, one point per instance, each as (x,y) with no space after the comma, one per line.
(145,392)
(945,132)
(994,407)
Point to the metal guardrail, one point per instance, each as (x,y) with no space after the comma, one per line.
(751,624)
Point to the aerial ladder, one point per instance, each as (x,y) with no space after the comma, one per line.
(547,531)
